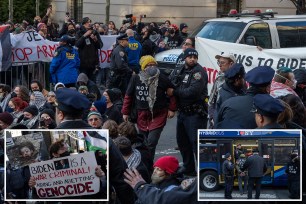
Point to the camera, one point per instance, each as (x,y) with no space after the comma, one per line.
(128,19)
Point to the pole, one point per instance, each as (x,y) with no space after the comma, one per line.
(11,12)
(37,7)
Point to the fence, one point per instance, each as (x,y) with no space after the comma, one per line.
(24,73)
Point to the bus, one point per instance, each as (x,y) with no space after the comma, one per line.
(275,146)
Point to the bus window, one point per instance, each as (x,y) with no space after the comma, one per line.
(208,154)
(282,150)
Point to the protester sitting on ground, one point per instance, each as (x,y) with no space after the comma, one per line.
(51,102)
(6,119)
(30,117)
(47,119)
(37,86)
(112,111)
(83,80)
(112,127)
(22,92)
(38,99)
(95,120)
(17,105)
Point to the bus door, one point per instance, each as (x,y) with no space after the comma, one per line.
(266,150)
(224,146)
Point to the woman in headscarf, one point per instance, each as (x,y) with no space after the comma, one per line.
(148,91)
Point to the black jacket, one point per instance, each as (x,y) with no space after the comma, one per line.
(228,168)
(192,86)
(88,53)
(255,165)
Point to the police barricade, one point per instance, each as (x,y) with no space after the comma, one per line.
(23,73)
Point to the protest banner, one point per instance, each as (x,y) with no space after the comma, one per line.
(29,46)
(26,149)
(249,56)
(66,176)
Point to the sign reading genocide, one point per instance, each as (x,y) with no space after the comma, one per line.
(66,176)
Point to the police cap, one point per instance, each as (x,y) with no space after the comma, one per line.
(123,37)
(266,105)
(65,38)
(227,155)
(260,76)
(234,70)
(70,100)
(190,52)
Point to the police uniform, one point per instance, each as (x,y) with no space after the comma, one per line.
(70,100)
(266,105)
(293,171)
(239,108)
(191,93)
(256,167)
(133,53)
(228,90)
(119,69)
(228,171)
(65,64)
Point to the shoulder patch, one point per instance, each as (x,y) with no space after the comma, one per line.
(121,53)
(197,76)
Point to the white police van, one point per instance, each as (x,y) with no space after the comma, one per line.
(265,30)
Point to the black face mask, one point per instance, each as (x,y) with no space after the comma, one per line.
(71,32)
(65,154)
(101,33)
(171,31)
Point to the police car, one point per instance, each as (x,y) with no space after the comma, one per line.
(265,30)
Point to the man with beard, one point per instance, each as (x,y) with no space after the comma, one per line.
(165,186)
(191,95)
(237,109)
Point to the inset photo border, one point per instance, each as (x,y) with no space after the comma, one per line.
(56,165)
(276,149)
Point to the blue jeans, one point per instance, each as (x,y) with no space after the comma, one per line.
(187,137)
(245,183)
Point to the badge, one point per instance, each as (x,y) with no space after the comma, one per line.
(87,41)
(185,80)
(121,53)
(197,76)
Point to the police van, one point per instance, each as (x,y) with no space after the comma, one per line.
(265,31)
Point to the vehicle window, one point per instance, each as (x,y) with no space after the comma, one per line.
(292,34)
(282,150)
(208,154)
(222,31)
(261,35)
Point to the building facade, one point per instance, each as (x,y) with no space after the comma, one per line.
(192,12)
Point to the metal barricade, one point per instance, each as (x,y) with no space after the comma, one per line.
(24,73)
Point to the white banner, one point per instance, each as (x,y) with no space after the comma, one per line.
(30,46)
(249,56)
(66,176)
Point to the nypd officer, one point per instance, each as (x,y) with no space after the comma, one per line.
(191,92)
(119,69)
(267,110)
(228,171)
(256,167)
(293,171)
(65,63)
(238,109)
(71,106)
(233,86)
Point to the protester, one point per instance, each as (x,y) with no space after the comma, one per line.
(17,105)
(95,119)
(112,112)
(293,171)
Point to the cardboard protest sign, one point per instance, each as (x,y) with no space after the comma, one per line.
(66,176)
(26,149)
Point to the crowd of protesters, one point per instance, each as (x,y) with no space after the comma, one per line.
(144,91)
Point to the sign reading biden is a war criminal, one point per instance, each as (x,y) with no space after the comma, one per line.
(29,46)
(66,176)
(249,56)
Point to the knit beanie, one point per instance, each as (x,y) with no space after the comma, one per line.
(144,60)
(100,105)
(49,112)
(58,85)
(169,164)
(6,118)
(31,109)
(40,25)
(94,113)
(82,78)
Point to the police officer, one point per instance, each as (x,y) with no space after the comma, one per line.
(228,171)
(238,109)
(293,171)
(65,63)
(256,167)
(233,86)
(119,69)
(267,110)
(191,92)
(71,105)
(133,51)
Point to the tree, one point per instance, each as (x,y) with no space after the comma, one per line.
(107,8)
(300,6)
(23,10)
